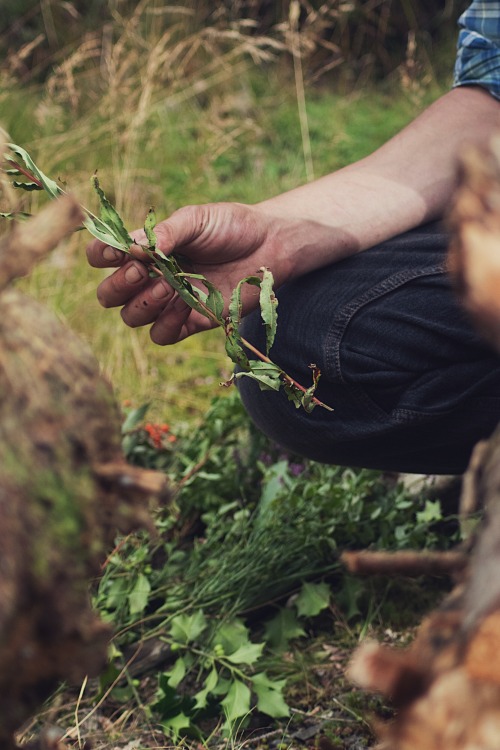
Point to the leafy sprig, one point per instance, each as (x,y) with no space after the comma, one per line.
(109,228)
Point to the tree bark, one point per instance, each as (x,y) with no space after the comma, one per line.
(65,489)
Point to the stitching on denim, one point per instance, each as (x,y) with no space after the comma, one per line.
(344,317)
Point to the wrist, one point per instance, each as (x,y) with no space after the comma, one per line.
(299,245)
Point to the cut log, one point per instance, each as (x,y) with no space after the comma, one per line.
(65,489)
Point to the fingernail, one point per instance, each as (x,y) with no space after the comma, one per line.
(111,254)
(160,290)
(134,273)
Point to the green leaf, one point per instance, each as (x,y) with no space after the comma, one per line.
(28,186)
(111,218)
(187,628)
(247,653)
(234,349)
(237,701)
(177,673)
(51,187)
(432,512)
(15,215)
(313,598)
(215,300)
(176,723)
(269,694)
(138,597)
(235,303)
(267,374)
(201,698)
(268,307)
(283,628)
(231,635)
(149,226)
(134,418)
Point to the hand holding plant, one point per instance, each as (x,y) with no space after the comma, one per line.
(188,273)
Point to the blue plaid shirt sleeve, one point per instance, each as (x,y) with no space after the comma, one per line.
(478,52)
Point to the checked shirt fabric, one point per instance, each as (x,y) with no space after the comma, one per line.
(478,50)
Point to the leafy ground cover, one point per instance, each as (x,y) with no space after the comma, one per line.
(235,623)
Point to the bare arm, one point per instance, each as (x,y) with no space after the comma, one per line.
(404,183)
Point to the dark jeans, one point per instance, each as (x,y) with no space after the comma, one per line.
(413,385)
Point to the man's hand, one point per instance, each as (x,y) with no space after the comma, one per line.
(223,241)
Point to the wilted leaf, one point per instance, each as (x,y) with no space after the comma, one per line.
(50,186)
(149,226)
(267,374)
(111,218)
(268,307)
(215,300)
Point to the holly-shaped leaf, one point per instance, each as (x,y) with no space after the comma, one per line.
(187,628)
(313,598)
(247,653)
(283,628)
(237,701)
(269,694)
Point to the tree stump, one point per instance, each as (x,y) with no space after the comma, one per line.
(446,686)
(65,489)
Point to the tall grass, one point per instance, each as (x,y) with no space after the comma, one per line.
(171,113)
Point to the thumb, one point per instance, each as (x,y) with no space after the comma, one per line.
(184,227)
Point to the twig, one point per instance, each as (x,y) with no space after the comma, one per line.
(404,562)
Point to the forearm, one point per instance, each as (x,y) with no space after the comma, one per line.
(404,183)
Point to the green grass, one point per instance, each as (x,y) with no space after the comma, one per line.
(240,142)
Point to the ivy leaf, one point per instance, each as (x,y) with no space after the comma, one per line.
(187,628)
(313,598)
(283,628)
(237,701)
(267,374)
(269,694)
(138,597)
(268,306)
(247,653)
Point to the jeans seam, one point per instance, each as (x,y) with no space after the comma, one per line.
(344,317)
